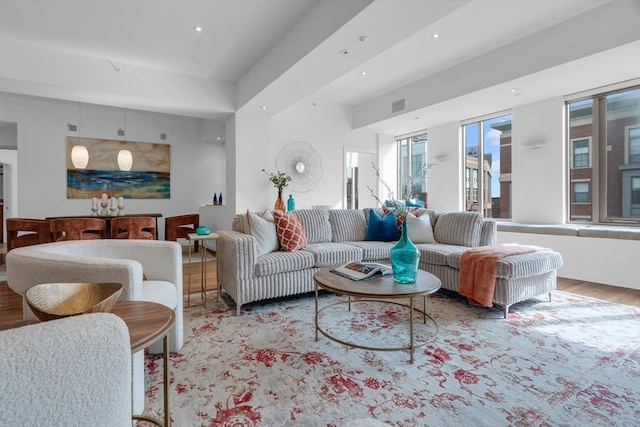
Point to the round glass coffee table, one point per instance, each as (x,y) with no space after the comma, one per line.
(380,289)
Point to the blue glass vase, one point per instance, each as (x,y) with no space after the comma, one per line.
(404,258)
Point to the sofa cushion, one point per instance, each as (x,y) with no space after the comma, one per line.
(290,232)
(459,228)
(283,262)
(263,228)
(374,251)
(316,224)
(330,254)
(516,266)
(347,225)
(419,229)
(382,229)
(437,253)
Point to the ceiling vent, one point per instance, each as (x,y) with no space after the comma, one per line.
(397,106)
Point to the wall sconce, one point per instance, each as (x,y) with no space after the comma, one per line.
(125,160)
(79,156)
(535,144)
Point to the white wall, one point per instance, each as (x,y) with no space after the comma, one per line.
(41,178)
(538,186)
(444,178)
(609,261)
(327,128)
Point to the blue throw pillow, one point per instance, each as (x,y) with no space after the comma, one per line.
(382,229)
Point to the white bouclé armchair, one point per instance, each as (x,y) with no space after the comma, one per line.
(149,270)
(67,372)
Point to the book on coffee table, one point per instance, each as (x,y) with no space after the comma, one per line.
(362,270)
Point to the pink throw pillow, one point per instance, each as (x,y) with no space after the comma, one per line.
(290,233)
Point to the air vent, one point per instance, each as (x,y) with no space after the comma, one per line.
(397,106)
(72,128)
(163,136)
(120,132)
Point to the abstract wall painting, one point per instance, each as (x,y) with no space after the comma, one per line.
(147,177)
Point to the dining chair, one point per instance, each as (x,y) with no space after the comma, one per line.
(27,232)
(78,228)
(180,226)
(133,227)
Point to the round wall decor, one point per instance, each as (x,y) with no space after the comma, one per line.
(303,164)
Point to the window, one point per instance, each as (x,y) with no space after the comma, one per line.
(412,168)
(635,190)
(487,180)
(604,137)
(633,145)
(581,153)
(581,192)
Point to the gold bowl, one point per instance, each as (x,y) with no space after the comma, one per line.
(51,301)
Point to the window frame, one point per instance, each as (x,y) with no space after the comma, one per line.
(598,153)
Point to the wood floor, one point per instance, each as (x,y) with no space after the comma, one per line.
(11,303)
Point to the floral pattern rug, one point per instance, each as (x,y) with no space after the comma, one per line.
(573,361)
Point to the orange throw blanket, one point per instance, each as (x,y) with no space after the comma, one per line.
(478,270)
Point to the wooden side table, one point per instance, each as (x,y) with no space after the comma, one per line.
(193,237)
(147,323)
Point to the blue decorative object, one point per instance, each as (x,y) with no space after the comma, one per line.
(215,199)
(404,258)
(291,204)
(414,203)
(220,199)
(382,229)
(203,230)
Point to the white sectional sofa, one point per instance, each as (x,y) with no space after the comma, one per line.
(338,236)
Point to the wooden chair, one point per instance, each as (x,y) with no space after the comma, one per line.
(27,232)
(133,227)
(78,228)
(178,227)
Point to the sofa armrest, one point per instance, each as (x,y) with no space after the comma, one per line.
(237,254)
(72,371)
(29,266)
(489,232)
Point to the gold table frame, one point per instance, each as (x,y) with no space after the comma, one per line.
(381,289)
(194,237)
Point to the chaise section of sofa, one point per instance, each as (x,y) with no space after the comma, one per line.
(338,236)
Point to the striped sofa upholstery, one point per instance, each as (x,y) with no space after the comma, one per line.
(337,236)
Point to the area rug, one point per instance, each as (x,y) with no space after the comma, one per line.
(573,361)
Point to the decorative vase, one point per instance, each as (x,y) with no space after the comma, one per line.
(279,206)
(404,258)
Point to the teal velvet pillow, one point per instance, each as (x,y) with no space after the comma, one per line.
(382,229)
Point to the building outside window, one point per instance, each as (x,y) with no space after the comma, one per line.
(412,169)
(487,147)
(581,158)
(604,170)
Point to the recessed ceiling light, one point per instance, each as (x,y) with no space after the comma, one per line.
(198,28)
(363,38)
(364,73)
(344,52)
(264,107)
(435,35)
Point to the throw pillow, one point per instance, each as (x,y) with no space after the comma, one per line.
(419,229)
(262,227)
(290,232)
(383,229)
(399,219)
